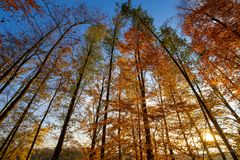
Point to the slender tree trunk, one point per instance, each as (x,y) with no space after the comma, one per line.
(70,108)
(200,136)
(92,154)
(146,122)
(200,101)
(118,20)
(38,43)
(141,82)
(102,157)
(13,104)
(214,121)
(45,115)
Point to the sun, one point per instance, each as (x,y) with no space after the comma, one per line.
(208,137)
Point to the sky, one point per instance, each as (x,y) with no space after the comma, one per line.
(160,10)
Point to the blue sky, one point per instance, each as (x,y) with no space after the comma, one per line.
(160,10)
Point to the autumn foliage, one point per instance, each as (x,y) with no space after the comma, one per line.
(74,85)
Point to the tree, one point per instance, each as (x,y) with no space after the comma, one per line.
(92,38)
(212,27)
(135,43)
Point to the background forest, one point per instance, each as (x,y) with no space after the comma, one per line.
(78,83)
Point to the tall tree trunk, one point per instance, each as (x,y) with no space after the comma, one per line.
(141,82)
(212,118)
(145,120)
(102,156)
(93,143)
(44,116)
(118,20)
(71,108)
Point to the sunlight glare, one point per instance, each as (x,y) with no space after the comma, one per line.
(208,137)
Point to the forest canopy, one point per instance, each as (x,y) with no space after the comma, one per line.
(79,82)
